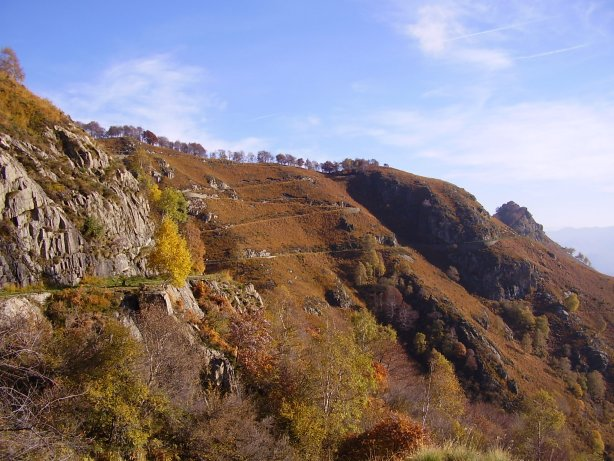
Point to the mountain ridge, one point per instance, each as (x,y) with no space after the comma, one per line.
(420,253)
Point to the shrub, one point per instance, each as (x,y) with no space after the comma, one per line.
(196,246)
(392,439)
(420,343)
(173,204)
(67,304)
(229,430)
(596,385)
(597,442)
(571,303)
(518,316)
(92,228)
(112,406)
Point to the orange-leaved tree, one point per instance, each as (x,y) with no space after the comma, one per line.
(394,438)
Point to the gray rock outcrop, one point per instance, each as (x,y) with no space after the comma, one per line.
(521,221)
(42,234)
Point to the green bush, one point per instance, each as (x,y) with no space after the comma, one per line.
(518,316)
(92,228)
(173,204)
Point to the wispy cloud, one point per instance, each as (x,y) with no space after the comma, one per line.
(545,141)
(155,92)
(441,32)
(489,35)
(496,29)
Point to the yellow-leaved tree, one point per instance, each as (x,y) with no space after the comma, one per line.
(443,391)
(171,255)
(336,379)
(542,423)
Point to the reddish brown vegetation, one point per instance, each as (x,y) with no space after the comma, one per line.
(392,439)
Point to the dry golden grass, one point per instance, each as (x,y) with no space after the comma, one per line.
(25,114)
(294,219)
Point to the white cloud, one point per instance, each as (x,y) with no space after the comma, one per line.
(434,27)
(541,141)
(154,92)
(441,31)
(488,35)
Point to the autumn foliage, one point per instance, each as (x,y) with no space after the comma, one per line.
(171,255)
(392,439)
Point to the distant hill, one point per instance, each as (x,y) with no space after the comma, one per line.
(597,243)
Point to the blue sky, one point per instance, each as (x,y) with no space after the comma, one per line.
(512,100)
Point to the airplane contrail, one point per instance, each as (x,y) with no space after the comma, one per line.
(262,117)
(548,53)
(496,29)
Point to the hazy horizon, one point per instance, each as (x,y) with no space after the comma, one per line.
(597,243)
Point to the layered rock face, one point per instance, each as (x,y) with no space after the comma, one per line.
(67,211)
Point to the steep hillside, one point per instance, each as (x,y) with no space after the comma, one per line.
(492,302)
(455,275)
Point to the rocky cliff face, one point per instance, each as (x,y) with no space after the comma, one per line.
(423,211)
(67,211)
(449,227)
(521,221)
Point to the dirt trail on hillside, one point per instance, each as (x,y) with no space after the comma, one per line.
(349,210)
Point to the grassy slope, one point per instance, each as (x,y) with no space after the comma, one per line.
(281,211)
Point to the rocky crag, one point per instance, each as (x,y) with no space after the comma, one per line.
(520,220)
(449,227)
(68,210)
